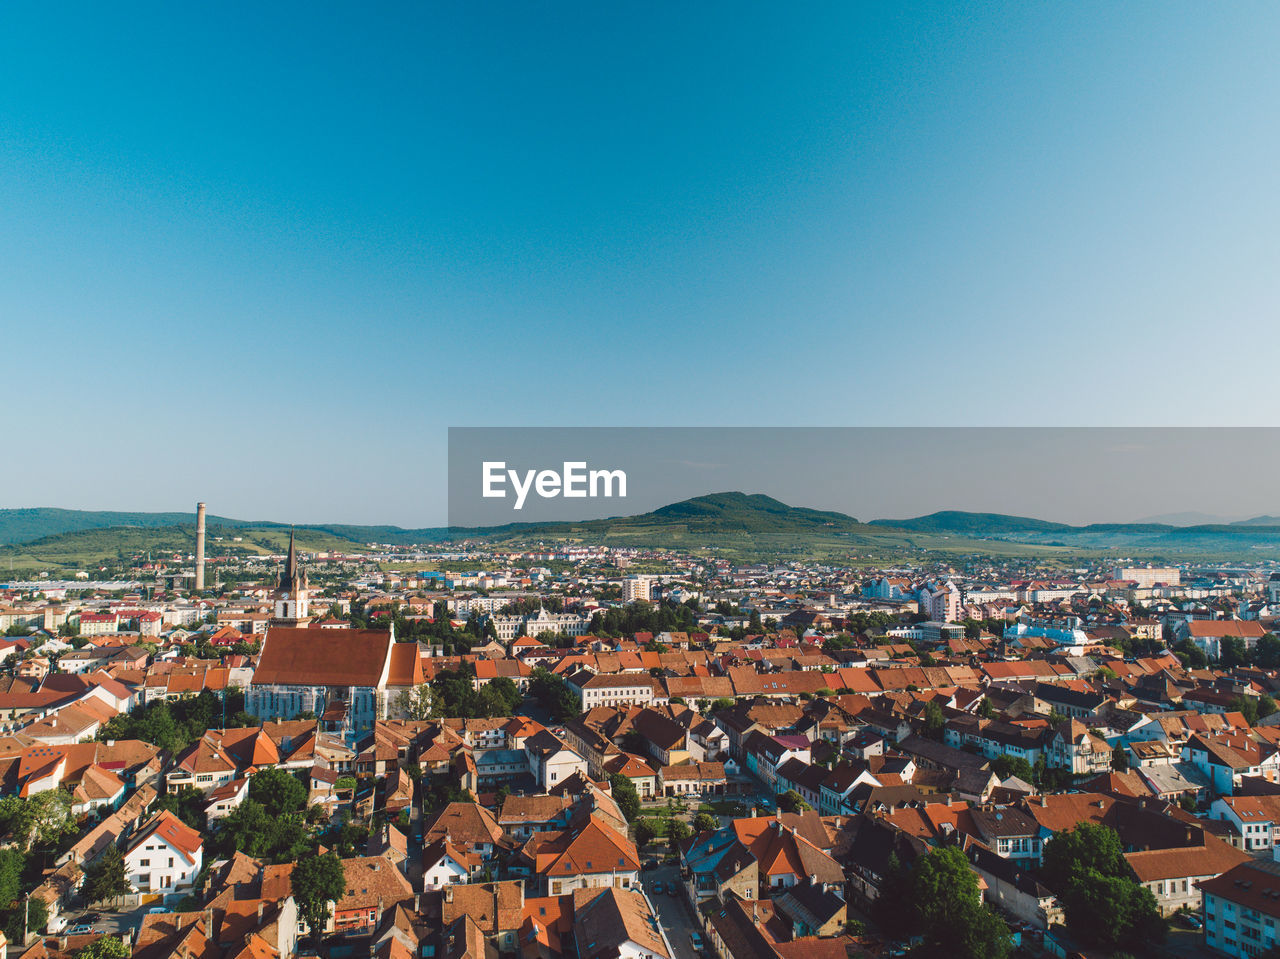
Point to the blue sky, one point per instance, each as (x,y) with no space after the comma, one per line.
(266,254)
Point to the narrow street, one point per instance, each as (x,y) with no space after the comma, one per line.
(673,911)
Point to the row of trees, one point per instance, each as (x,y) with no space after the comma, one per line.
(644,617)
(452,695)
(437,631)
(175,725)
(1232,652)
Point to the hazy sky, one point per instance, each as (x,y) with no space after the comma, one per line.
(264,255)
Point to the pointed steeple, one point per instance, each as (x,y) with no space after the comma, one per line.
(291,564)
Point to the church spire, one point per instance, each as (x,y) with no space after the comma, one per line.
(291,564)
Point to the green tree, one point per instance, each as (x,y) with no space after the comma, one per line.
(1266,706)
(187,804)
(792,801)
(278,790)
(505,694)
(677,832)
(950,914)
(41,820)
(985,709)
(1232,652)
(1120,758)
(104,947)
(12,865)
(705,822)
(553,693)
(250,829)
(1006,766)
(316,881)
(415,703)
(1247,706)
(934,721)
(1192,656)
(1104,904)
(106,878)
(645,833)
(1266,654)
(625,795)
(893,910)
(26,914)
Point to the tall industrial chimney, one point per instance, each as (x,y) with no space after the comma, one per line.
(199,547)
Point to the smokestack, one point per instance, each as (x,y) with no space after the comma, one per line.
(199,547)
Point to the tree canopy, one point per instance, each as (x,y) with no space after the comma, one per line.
(937,898)
(454,696)
(252,830)
(554,694)
(279,791)
(104,947)
(106,877)
(316,881)
(40,820)
(1104,904)
(625,795)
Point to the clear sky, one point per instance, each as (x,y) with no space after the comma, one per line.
(264,254)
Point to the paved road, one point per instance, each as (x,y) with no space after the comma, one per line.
(674,912)
(1186,943)
(111,922)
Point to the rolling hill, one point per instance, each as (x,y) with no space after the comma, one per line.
(1244,539)
(972,524)
(736,525)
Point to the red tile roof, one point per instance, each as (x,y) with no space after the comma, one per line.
(324,657)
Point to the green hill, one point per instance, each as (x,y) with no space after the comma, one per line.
(747,526)
(736,525)
(30,525)
(972,524)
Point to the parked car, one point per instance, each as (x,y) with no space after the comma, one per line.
(81,929)
(650,864)
(695,940)
(671,889)
(1193,921)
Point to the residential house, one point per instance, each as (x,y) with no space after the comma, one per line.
(164,855)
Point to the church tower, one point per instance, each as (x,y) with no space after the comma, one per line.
(292,596)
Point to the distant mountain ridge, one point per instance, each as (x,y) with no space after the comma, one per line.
(1262,532)
(742,525)
(1258,521)
(977,524)
(29,525)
